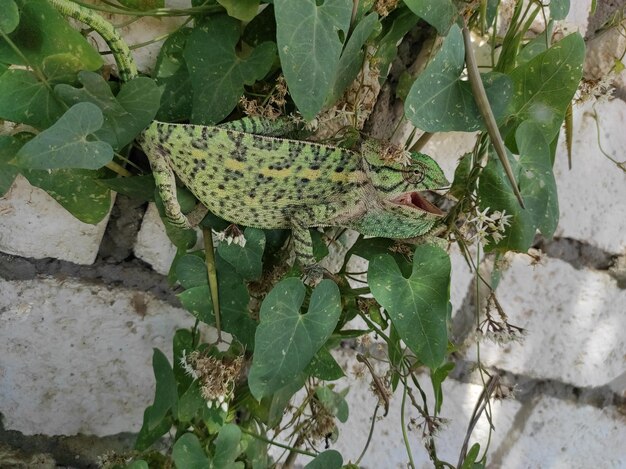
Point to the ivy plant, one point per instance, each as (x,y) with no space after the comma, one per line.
(270,380)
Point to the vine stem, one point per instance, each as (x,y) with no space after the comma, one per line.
(405,437)
(275,443)
(209,257)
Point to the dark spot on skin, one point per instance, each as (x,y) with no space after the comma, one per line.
(339,169)
(221,186)
(314,167)
(305,180)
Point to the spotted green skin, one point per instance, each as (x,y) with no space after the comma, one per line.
(246,175)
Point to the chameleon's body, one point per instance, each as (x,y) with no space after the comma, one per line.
(248,177)
(242,172)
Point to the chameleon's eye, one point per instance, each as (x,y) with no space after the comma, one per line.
(414,176)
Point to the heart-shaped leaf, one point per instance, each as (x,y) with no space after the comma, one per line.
(218,74)
(227,448)
(66,144)
(187,453)
(77,190)
(439,101)
(439,13)
(246,260)
(418,305)
(544,86)
(42,31)
(233,297)
(309,45)
(125,115)
(9,146)
(533,170)
(287,340)
(330,459)
(24,99)
(172,76)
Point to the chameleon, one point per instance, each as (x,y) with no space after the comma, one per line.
(246,174)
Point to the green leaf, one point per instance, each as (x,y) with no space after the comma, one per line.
(247,260)
(146,436)
(309,44)
(536,183)
(438,13)
(187,453)
(559,9)
(287,340)
(165,395)
(125,115)
(352,56)
(334,401)
(42,32)
(143,5)
(9,146)
(243,10)
(418,305)
(156,421)
(218,74)
(77,190)
(330,459)
(141,464)
(471,458)
(66,144)
(324,366)
(172,76)
(24,99)
(190,403)
(280,398)
(182,344)
(437,377)
(544,86)
(233,304)
(191,271)
(10,16)
(227,448)
(135,187)
(440,101)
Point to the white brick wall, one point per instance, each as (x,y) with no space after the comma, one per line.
(75,357)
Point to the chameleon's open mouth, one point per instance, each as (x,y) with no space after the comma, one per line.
(417,201)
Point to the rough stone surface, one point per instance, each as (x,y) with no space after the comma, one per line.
(76,358)
(152,245)
(574,321)
(33,224)
(559,434)
(592,193)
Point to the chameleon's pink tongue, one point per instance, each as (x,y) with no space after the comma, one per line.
(416,200)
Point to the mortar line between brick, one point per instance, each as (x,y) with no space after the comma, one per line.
(131,274)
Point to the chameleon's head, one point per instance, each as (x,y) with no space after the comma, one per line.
(402,177)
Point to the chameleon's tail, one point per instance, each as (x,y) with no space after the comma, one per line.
(123,57)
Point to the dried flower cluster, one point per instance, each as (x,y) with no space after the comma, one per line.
(217,376)
(323,422)
(231,235)
(498,330)
(488,226)
(599,90)
(384,7)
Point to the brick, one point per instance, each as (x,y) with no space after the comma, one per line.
(573,319)
(561,434)
(33,224)
(76,358)
(152,245)
(591,195)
